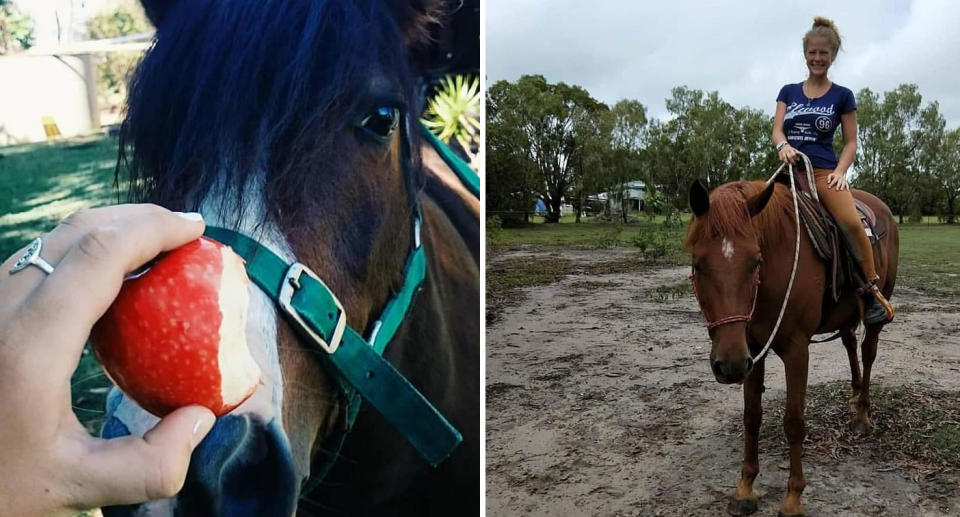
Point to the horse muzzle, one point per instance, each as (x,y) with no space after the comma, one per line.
(729,371)
(243,467)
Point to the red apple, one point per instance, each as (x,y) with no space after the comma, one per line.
(176,335)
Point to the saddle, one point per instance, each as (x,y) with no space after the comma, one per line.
(843,269)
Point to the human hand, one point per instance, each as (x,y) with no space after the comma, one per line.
(837,181)
(788,154)
(49,465)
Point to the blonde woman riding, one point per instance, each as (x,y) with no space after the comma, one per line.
(807,117)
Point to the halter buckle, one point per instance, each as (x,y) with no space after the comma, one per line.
(291,282)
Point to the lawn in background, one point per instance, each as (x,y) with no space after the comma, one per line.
(40,184)
(930,258)
(929,253)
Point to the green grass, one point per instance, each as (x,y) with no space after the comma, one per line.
(653,239)
(42,183)
(929,253)
(39,185)
(930,258)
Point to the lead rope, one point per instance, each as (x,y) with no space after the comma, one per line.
(796,251)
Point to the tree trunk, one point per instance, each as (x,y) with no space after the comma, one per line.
(579,205)
(951,218)
(553,210)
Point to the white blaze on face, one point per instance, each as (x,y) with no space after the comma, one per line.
(239,372)
(727,249)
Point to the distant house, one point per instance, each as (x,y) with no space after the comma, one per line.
(634,195)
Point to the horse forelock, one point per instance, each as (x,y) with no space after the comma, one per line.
(729,216)
(231,88)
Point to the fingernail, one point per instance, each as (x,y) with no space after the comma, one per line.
(191,216)
(202,427)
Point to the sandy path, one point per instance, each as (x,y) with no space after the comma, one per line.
(600,402)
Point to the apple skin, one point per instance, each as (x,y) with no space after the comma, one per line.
(175,336)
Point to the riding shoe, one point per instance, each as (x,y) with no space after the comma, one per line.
(876,308)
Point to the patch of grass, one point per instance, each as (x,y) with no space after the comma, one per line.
(42,183)
(507,277)
(915,427)
(624,265)
(655,240)
(590,285)
(930,258)
(665,293)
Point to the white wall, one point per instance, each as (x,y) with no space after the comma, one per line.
(34,86)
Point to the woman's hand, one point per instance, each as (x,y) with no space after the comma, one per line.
(49,465)
(788,154)
(837,181)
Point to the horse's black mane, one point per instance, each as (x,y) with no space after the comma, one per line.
(232,87)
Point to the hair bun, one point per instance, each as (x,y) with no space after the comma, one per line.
(820,21)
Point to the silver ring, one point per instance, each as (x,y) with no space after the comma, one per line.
(32,257)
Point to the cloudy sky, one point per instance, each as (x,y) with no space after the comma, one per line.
(744,49)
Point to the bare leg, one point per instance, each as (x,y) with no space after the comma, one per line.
(794,425)
(861,422)
(744,500)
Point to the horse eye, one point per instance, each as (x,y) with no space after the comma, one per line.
(382,122)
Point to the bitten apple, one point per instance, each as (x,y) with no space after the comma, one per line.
(176,335)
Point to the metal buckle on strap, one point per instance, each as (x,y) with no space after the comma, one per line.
(291,282)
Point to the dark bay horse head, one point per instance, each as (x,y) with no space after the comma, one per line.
(294,122)
(725,239)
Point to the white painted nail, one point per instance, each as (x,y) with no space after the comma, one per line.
(191,216)
(206,423)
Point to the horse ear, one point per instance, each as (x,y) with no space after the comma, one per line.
(699,198)
(757,203)
(418,19)
(157,10)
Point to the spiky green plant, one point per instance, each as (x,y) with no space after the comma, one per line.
(454,113)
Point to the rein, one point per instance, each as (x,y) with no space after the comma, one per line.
(356,363)
(796,259)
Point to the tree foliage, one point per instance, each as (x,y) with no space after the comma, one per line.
(903,152)
(541,119)
(116,67)
(555,142)
(16,29)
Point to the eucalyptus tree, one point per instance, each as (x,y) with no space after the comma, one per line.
(545,116)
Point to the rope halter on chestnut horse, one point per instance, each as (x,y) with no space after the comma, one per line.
(756,282)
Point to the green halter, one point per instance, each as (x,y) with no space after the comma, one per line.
(357,363)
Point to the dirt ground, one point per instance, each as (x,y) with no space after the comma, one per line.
(600,401)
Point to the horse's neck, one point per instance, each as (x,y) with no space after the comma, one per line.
(461,207)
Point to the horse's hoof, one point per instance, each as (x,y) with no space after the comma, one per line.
(861,428)
(742,506)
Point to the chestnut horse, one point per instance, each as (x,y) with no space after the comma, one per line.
(294,123)
(742,238)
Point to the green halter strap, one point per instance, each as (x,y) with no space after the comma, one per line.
(469,178)
(357,363)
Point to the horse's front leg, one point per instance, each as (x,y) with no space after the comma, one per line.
(744,500)
(794,426)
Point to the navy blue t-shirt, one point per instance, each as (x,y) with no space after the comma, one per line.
(810,123)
